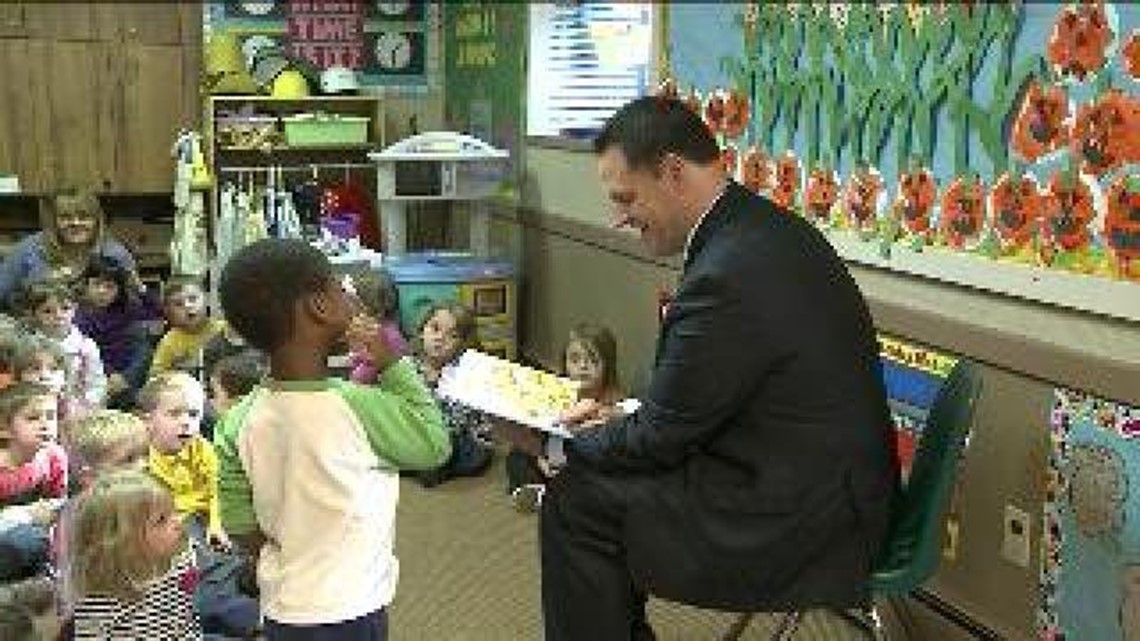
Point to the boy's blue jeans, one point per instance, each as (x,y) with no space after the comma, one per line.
(370,627)
(221,606)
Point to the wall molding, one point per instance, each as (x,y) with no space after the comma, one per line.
(1082,292)
(1040,341)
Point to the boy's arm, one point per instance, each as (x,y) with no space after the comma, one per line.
(401,419)
(234,496)
(209,464)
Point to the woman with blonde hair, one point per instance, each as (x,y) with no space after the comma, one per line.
(132,569)
(73,231)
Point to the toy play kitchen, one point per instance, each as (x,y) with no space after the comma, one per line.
(438,165)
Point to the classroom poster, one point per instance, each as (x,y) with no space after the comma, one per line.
(1090,566)
(386,42)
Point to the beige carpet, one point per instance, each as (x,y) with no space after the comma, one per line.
(469,572)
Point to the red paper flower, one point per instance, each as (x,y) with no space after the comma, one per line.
(1068,211)
(1122,220)
(1016,208)
(1106,132)
(963,211)
(756,171)
(821,193)
(736,114)
(1130,55)
(861,197)
(917,192)
(1040,125)
(787,180)
(1079,41)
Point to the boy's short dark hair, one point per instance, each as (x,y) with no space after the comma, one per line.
(261,284)
(239,373)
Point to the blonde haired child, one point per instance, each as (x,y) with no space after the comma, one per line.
(106,440)
(172,403)
(132,568)
(99,443)
(33,479)
(182,460)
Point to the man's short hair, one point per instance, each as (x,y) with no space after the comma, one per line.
(261,284)
(648,128)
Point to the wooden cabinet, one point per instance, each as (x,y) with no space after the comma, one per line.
(94,93)
(81,112)
(159,96)
(12,19)
(23,127)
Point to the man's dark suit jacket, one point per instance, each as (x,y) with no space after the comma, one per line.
(764,436)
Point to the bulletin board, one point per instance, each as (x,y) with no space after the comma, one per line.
(1090,566)
(483,68)
(386,42)
(961,142)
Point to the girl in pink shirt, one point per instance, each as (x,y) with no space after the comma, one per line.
(33,479)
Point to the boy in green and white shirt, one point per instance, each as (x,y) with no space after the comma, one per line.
(309,465)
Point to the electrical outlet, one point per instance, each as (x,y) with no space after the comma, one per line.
(1016,537)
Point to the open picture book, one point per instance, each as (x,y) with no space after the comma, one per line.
(508,390)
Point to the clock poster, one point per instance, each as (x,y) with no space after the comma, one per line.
(386,42)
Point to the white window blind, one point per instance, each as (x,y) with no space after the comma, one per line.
(587,59)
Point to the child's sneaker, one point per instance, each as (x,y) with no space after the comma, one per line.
(526,499)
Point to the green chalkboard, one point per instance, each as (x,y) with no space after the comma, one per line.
(484,54)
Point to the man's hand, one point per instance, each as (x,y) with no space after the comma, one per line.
(584,415)
(523,438)
(363,335)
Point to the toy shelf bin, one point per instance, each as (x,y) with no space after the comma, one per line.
(325,130)
(486,286)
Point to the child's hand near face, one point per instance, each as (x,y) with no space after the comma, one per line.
(363,335)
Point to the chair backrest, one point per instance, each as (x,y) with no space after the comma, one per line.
(912,550)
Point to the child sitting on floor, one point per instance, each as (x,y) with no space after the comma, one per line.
(446,331)
(133,569)
(33,479)
(380,300)
(172,404)
(234,376)
(590,357)
(49,308)
(189,327)
(117,312)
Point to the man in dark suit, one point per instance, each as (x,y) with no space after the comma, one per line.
(759,472)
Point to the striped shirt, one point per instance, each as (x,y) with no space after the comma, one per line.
(165,611)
